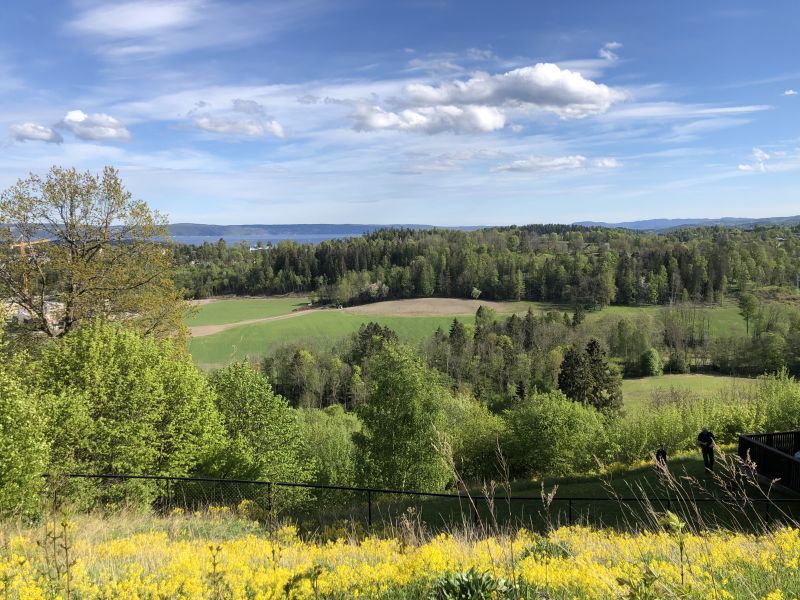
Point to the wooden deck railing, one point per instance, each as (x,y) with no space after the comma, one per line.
(773,455)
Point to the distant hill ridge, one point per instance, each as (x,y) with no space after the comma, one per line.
(198,229)
(356,229)
(665,224)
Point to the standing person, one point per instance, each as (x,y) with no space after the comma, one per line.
(706,442)
(661,456)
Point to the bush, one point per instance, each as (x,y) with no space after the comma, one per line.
(552,435)
(331,448)
(116,402)
(474,433)
(264,435)
(650,362)
(398,443)
(677,363)
(23,458)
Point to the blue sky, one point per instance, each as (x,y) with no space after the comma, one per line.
(441,112)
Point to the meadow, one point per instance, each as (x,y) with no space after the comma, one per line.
(234,329)
(639,392)
(220,554)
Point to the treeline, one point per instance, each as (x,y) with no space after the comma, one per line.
(592,267)
(501,360)
(105,399)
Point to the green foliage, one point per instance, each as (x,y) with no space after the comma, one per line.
(101,258)
(469,585)
(677,363)
(401,419)
(117,402)
(24,454)
(264,436)
(331,448)
(553,435)
(748,305)
(587,377)
(475,435)
(651,363)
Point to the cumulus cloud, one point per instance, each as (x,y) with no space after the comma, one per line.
(97,126)
(544,86)
(790,93)
(430,119)
(479,104)
(607,51)
(231,123)
(34,132)
(240,127)
(545,164)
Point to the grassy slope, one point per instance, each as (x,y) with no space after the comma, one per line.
(242,309)
(325,327)
(636,482)
(316,329)
(637,392)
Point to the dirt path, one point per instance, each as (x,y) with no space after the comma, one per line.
(204,330)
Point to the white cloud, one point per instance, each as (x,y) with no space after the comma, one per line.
(231,123)
(135,29)
(32,131)
(479,104)
(137,18)
(248,107)
(544,86)
(607,51)
(240,127)
(97,126)
(545,164)
(790,93)
(429,119)
(777,160)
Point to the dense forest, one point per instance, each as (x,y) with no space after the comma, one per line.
(590,267)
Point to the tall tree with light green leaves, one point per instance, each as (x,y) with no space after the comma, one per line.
(265,436)
(24,454)
(118,402)
(401,421)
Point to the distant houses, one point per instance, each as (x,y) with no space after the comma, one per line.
(54,312)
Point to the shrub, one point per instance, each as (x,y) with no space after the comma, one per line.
(264,436)
(650,362)
(23,458)
(677,363)
(474,433)
(397,446)
(116,402)
(331,448)
(552,435)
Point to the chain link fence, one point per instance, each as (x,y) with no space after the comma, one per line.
(317,506)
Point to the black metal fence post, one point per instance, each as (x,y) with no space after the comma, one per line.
(369,508)
(269,497)
(569,511)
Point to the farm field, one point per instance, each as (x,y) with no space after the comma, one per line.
(232,329)
(231,310)
(638,392)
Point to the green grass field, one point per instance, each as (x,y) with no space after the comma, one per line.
(232,310)
(723,320)
(325,327)
(318,329)
(638,392)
